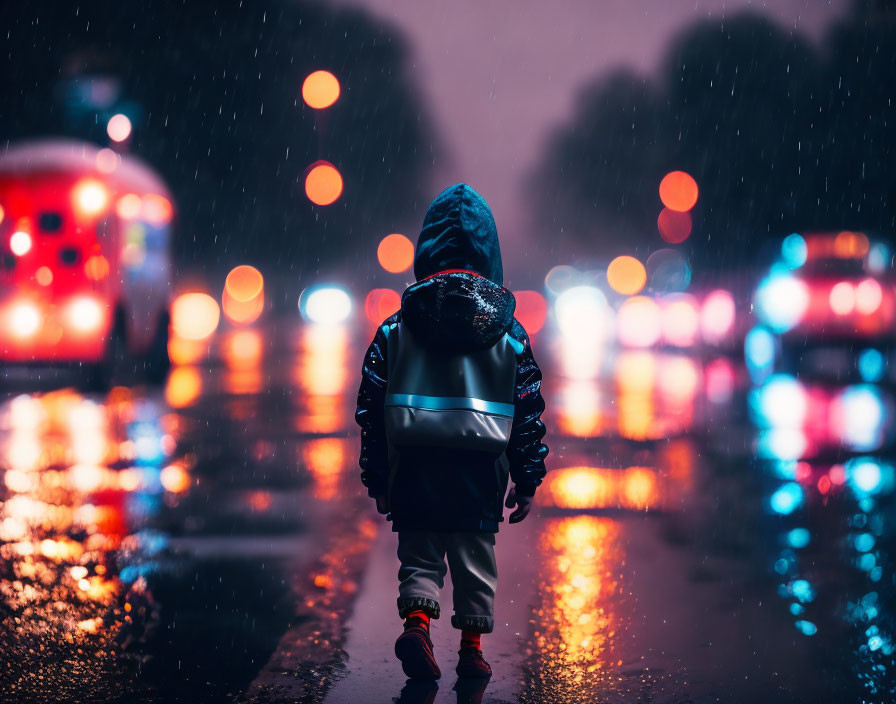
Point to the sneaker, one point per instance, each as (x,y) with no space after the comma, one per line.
(414,649)
(471,664)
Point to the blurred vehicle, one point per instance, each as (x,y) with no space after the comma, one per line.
(831,287)
(84,260)
(826,308)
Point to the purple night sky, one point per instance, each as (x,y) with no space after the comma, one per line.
(499,75)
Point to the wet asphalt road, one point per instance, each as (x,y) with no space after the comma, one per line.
(697,539)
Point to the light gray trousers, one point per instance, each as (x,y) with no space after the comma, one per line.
(471,559)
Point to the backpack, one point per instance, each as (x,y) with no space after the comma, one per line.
(460,401)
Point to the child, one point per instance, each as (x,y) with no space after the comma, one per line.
(449,405)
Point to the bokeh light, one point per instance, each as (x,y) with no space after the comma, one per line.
(871,364)
(584,321)
(842,298)
(869,296)
(781,402)
(107,160)
(851,245)
(320,90)
(531,310)
(638,322)
(680,320)
(794,251)
(242,312)
(674,226)
(20,243)
(717,316)
(577,307)
(395,253)
(118,128)
(156,209)
(668,271)
(183,387)
(323,184)
(44,275)
(719,379)
(325,304)
(90,196)
(128,206)
(759,352)
(626,275)
(244,283)
(380,304)
(781,301)
(560,278)
(194,316)
(96,268)
(678,191)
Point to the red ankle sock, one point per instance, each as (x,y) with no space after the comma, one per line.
(422,615)
(470,639)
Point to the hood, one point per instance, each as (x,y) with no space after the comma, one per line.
(457,312)
(459,233)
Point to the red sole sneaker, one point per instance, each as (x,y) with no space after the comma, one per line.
(414,649)
(471,664)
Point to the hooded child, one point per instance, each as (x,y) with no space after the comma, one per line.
(450,408)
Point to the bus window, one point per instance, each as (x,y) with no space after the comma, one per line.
(50,223)
(69,255)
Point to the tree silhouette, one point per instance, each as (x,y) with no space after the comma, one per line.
(779,137)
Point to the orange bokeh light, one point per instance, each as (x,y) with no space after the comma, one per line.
(851,245)
(380,304)
(96,268)
(244,283)
(243,348)
(674,226)
(626,275)
(183,387)
(531,310)
(395,253)
(157,209)
(323,184)
(242,312)
(678,191)
(243,297)
(320,90)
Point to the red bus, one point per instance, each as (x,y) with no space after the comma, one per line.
(85,267)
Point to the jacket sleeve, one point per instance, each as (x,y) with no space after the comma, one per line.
(370,416)
(525,450)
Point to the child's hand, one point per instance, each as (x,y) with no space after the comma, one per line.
(523,504)
(381,505)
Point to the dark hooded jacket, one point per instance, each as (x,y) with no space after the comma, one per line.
(457,320)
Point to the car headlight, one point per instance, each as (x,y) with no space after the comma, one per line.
(24,319)
(84,314)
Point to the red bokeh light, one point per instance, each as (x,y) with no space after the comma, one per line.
(380,304)
(674,226)
(678,191)
(531,310)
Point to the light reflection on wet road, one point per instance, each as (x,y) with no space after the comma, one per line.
(698,538)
